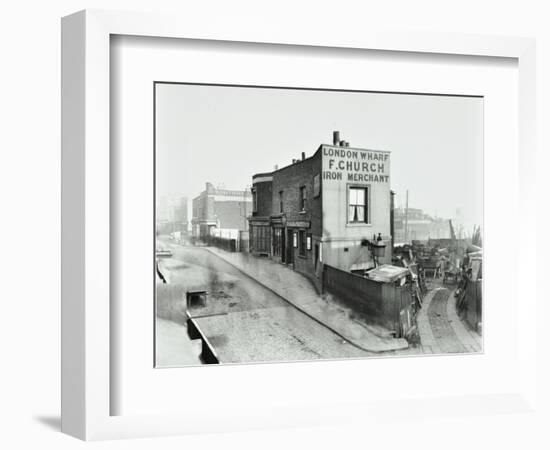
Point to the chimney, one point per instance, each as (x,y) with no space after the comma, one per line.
(303,155)
(276,167)
(336,138)
(293,161)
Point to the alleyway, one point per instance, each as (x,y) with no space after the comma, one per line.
(441,330)
(439,323)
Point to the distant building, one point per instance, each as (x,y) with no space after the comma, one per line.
(322,209)
(221,212)
(413,224)
(171,214)
(181,215)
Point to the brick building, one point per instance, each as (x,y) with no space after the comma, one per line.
(322,209)
(220,212)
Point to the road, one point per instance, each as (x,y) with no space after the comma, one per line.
(245,321)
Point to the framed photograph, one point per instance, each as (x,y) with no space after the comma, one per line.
(229,224)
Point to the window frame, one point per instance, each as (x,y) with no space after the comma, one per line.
(367,219)
(303,198)
(317,185)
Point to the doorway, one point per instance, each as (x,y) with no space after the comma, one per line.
(283,246)
(289,247)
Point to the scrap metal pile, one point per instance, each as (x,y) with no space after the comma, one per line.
(453,261)
(437,258)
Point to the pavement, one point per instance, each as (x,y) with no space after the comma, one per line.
(300,292)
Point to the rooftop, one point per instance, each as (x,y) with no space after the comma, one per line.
(337,143)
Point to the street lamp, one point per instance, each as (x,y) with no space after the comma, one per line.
(377,247)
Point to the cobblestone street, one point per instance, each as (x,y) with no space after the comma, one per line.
(441,330)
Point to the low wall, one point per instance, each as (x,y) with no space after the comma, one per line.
(380,303)
(229,245)
(208,353)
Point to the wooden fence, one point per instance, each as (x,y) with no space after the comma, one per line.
(381,303)
(473,302)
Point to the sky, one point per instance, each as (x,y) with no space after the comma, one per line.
(225,135)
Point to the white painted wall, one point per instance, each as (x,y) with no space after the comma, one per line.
(342,168)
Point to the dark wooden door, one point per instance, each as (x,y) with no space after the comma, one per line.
(283,246)
(290,247)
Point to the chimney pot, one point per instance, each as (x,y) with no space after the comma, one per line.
(336,138)
(303,155)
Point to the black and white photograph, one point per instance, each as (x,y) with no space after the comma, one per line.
(254,226)
(298,224)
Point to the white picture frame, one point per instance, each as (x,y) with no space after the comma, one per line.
(87,320)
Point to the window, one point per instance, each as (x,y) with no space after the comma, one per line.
(303,198)
(254,200)
(308,242)
(317,185)
(357,205)
(302,248)
(281,202)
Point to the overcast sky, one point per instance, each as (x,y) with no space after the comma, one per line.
(226,134)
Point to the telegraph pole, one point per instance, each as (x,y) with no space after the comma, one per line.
(407,217)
